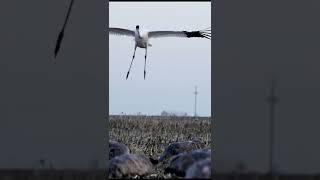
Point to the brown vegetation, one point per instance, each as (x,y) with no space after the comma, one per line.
(151,135)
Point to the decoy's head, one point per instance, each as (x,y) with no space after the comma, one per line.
(137,26)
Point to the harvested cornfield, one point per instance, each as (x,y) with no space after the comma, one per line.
(152,134)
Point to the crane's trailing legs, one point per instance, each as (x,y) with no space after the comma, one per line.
(145,62)
(134,53)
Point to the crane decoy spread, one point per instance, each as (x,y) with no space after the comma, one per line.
(142,38)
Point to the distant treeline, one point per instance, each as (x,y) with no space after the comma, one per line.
(158,117)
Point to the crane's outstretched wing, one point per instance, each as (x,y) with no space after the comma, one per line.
(187,34)
(121,32)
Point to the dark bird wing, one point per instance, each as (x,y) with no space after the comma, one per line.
(186,34)
(121,32)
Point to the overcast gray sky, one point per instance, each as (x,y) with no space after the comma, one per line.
(174,65)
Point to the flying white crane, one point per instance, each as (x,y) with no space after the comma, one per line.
(142,38)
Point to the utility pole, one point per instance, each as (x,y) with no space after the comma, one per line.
(195,102)
(272,99)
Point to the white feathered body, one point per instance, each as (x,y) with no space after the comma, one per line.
(142,39)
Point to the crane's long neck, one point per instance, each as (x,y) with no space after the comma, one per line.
(138,32)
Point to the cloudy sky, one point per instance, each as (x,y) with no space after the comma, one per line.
(174,65)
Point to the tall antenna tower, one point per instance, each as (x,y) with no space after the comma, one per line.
(272,99)
(195,101)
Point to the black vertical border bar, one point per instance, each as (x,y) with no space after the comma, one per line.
(213,57)
(107,90)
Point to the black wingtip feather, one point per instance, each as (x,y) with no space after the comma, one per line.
(202,34)
(58,44)
(61,34)
(193,34)
(206,35)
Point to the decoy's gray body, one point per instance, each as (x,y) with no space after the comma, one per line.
(180,163)
(130,165)
(179,147)
(200,169)
(117,149)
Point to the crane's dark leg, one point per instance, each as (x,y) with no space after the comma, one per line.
(145,62)
(134,53)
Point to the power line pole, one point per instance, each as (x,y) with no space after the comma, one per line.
(195,102)
(272,99)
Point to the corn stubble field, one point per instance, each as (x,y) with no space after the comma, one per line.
(151,134)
